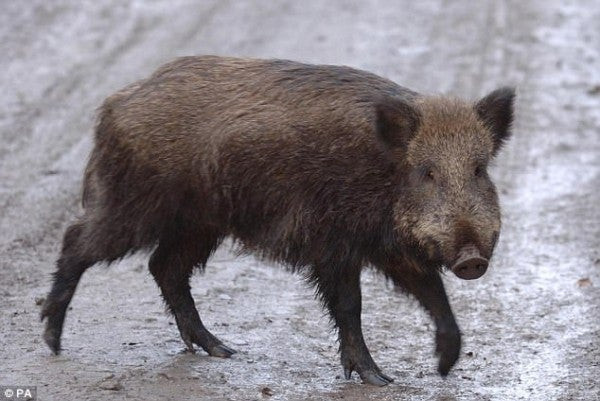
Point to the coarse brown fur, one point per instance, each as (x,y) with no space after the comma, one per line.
(325,169)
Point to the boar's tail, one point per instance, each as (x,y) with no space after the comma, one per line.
(87,191)
(105,126)
(90,181)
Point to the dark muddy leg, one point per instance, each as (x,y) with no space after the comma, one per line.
(341,294)
(70,267)
(429,290)
(172,264)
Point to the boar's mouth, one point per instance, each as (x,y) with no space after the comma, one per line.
(470,264)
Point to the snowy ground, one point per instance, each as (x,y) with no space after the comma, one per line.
(531,325)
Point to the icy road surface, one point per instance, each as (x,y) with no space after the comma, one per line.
(531,325)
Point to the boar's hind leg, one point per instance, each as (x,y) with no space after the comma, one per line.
(429,290)
(70,267)
(172,264)
(340,291)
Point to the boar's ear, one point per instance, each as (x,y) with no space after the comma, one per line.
(496,112)
(396,123)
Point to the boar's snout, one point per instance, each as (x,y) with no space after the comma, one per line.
(470,264)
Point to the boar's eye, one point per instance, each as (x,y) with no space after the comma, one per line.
(426,174)
(479,170)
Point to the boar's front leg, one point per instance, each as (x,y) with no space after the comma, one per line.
(428,288)
(340,291)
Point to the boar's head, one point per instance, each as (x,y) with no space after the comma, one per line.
(447,204)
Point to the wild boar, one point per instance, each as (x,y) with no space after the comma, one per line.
(325,169)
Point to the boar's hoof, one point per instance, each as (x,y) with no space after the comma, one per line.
(52,338)
(470,264)
(371,376)
(448,348)
(221,351)
(53,330)
(368,371)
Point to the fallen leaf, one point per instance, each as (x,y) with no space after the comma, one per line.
(584,282)
(594,90)
(267,391)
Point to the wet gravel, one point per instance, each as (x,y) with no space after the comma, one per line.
(531,325)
